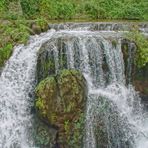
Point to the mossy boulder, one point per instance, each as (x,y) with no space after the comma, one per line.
(61,101)
(38,26)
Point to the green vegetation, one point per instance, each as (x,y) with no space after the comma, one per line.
(5,53)
(12,33)
(78,132)
(62,105)
(66,9)
(142,46)
(16,16)
(17,32)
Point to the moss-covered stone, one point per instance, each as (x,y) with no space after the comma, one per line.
(61,102)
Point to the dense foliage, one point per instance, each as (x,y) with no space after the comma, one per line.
(65,9)
(142,46)
(14,33)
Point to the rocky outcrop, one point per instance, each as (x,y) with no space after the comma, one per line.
(137,76)
(60,103)
(37,27)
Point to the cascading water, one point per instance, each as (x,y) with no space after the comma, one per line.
(113,111)
(112,105)
(16,85)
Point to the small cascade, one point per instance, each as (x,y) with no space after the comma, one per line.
(17,82)
(101,26)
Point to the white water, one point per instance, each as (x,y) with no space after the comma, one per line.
(16,84)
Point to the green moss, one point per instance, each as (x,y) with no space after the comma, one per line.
(44,84)
(40,104)
(77,137)
(67,128)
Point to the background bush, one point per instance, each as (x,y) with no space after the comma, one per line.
(67,9)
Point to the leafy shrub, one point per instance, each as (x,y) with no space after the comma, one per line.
(2,5)
(67,9)
(56,9)
(11,34)
(30,8)
(142,45)
(95,10)
(130,12)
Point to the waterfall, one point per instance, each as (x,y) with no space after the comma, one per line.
(114,116)
(112,104)
(16,86)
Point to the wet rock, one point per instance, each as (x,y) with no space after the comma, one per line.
(61,101)
(36,29)
(44,135)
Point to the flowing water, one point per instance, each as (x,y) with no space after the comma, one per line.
(16,84)
(112,104)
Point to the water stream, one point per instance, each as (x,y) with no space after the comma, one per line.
(16,85)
